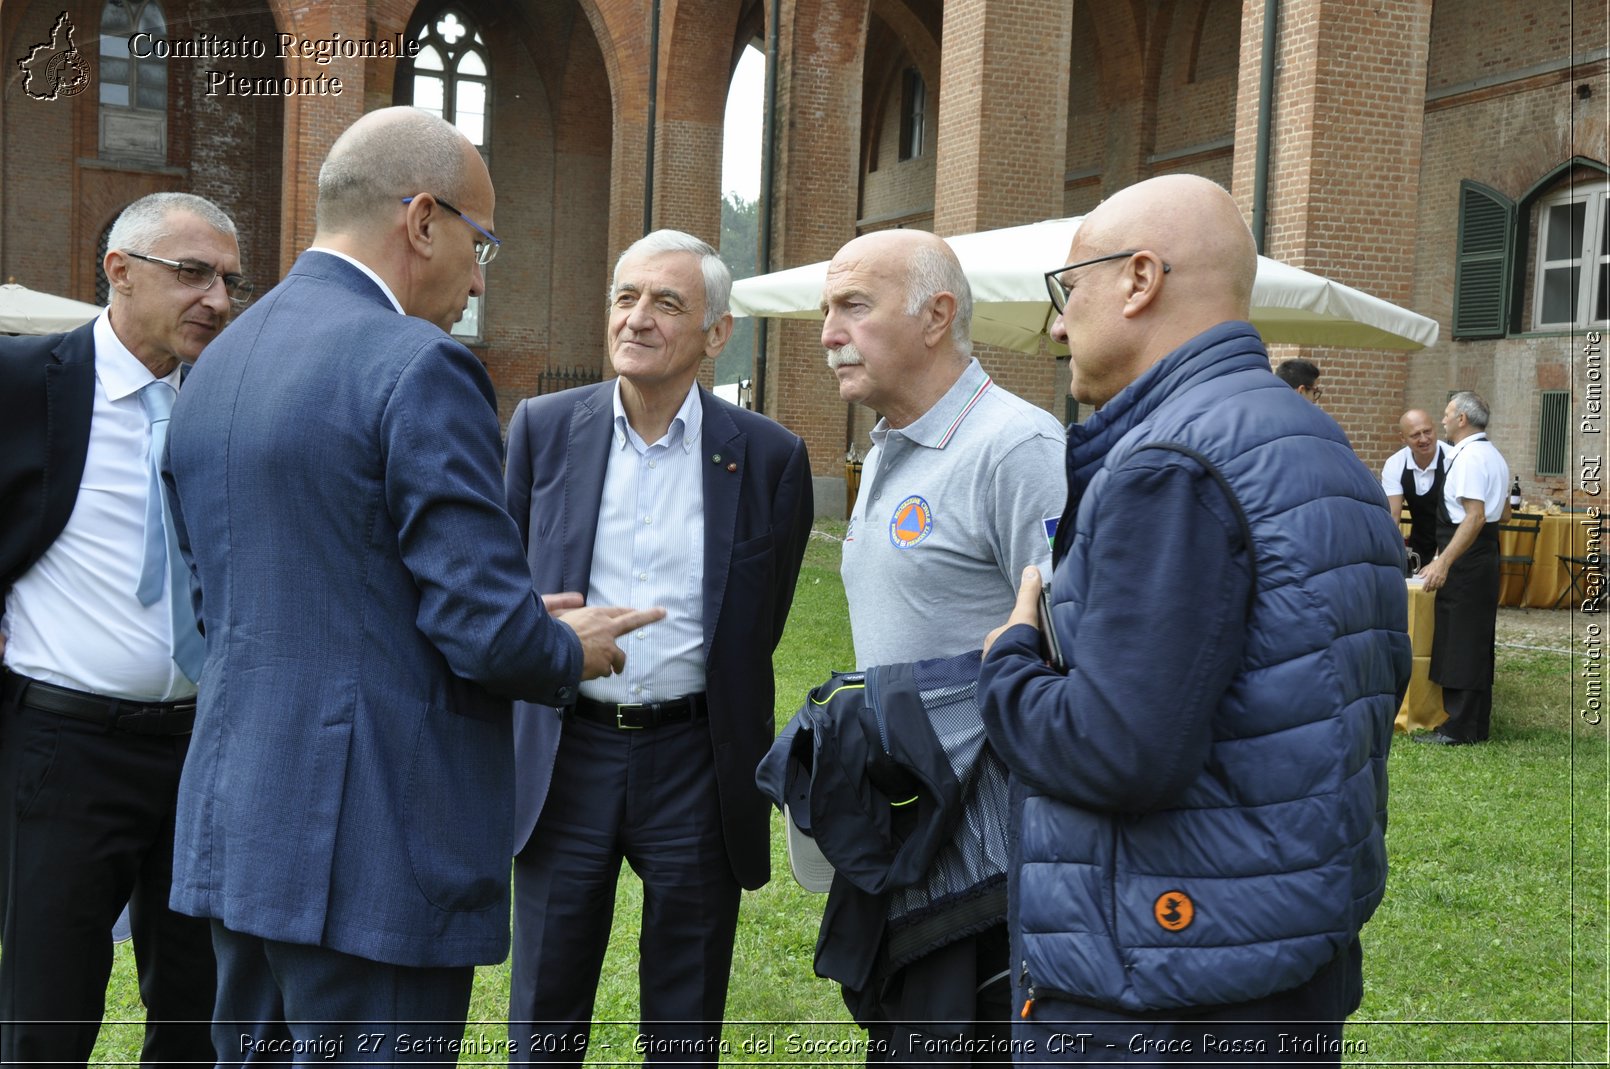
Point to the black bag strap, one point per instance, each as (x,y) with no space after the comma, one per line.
(1235,504)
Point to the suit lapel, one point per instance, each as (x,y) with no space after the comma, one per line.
(69,408)
(586,454)
(724,448)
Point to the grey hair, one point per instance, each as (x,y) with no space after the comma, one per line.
(717,276)
(931,271)
(1469,404)
(397,153)
(144,224)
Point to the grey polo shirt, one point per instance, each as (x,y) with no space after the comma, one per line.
(951,509)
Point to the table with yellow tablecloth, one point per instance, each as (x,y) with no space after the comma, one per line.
(1561,533)
(1422,705)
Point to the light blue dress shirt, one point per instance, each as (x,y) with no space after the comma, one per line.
(649,550)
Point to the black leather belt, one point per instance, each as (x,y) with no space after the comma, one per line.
(116,714)
(637,716)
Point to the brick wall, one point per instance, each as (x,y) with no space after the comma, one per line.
(1502,109)
(1035,108)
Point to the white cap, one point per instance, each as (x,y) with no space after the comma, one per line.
(811,869)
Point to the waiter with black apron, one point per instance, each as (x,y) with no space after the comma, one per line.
(1414,476)
(1465,573)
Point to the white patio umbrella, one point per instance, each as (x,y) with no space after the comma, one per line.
(1011,309)
(26,311)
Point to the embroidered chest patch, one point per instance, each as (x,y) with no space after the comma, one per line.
(912,521)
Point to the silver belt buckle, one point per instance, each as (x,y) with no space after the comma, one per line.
(621,707)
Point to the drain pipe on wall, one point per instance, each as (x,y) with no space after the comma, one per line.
(653,106)
(1266,112)
(768,176)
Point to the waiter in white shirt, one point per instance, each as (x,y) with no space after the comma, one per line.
(1465,573)
(1414,476)
(101,652)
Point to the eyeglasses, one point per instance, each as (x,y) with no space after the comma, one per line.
(485,251)
(199,276)
(1059,292)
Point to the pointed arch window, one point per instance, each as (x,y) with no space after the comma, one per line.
(453,74)
(134,81)
(453,79)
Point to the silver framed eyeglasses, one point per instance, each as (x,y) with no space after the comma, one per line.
(1059,291)
(199,276)
(485,251)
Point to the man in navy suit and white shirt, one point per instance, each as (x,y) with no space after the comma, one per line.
(345,818)
(648,490)
(95,713)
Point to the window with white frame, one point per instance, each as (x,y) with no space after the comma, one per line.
(453,79)
(1571,285)
(1541,262)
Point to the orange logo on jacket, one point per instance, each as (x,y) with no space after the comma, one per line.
(1174,911)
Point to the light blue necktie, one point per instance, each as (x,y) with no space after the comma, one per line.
(162,546)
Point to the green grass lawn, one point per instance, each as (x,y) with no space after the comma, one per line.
(1490,948)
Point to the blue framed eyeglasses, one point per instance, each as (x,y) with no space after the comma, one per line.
(485,251)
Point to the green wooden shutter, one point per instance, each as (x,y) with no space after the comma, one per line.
(1553,431)
(1483,264)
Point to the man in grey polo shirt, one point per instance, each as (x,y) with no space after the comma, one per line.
(959,494)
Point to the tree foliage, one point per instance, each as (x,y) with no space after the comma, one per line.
(740,244)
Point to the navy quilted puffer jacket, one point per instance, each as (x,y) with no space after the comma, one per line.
(1200,805)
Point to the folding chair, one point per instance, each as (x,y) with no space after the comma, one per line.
(1578,569)
(1526,528)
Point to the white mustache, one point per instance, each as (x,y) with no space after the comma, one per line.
(844,356)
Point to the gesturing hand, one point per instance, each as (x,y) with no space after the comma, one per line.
(598,626)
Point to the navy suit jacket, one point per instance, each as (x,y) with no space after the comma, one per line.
(47,398)
(336,474)
(756,522)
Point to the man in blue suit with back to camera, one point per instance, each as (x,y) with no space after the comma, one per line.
(650,490)
(346,815)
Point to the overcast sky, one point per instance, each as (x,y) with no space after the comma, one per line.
(740,164)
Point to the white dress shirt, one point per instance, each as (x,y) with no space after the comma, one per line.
(1424,478)
(1477,470)
(73,618)
(366,269)
(649,550)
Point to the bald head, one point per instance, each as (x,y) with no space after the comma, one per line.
(1196,227)
(387,155)
(926,266)
(1419,433)
(1159,263)
(897,313)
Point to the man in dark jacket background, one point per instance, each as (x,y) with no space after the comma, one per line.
(1200,802)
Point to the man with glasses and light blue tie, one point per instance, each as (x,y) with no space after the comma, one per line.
(101,650)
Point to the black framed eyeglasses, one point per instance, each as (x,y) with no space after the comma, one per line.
(1059,292)
(199,276)
(485,251)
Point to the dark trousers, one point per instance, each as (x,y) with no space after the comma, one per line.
(289,1004)
(87,827)
(1462,657)
(1300,1026)
(950,1007)
(1470,713)
(649,797)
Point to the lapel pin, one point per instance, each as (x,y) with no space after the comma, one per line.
(716,459)
(732,467)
